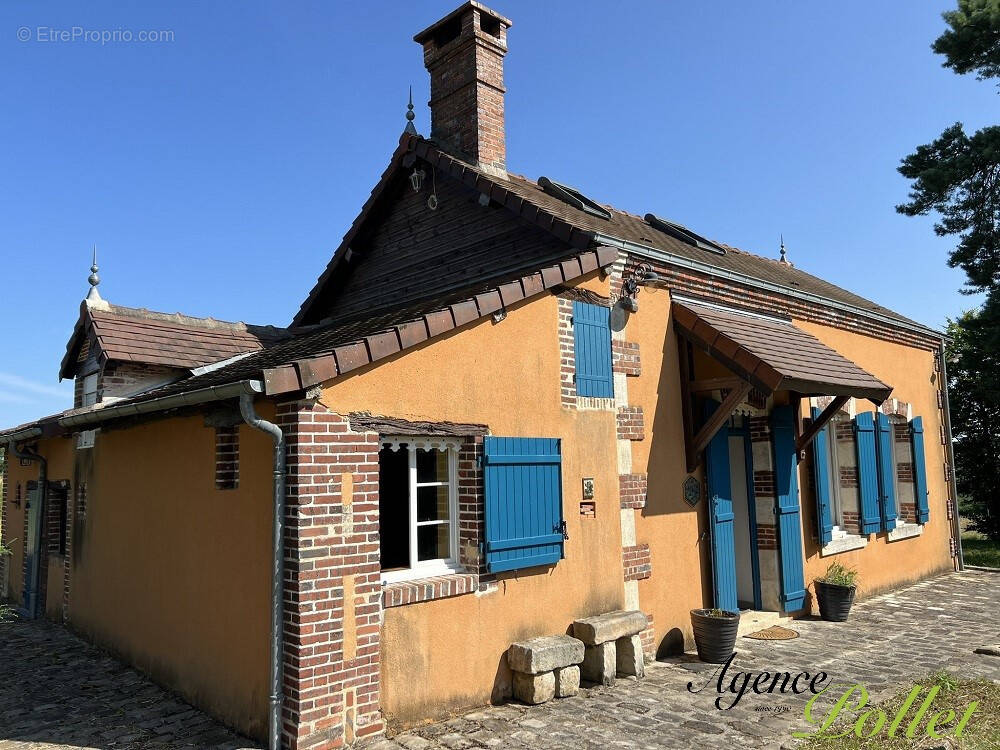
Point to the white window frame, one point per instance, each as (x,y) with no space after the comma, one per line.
(438,566)
(833,464)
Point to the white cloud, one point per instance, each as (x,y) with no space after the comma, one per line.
(15,385)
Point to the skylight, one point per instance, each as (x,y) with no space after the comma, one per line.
(682,233)
(573,197)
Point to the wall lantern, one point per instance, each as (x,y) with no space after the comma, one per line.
(642,275)
(417,179)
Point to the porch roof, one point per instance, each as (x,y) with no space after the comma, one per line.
(773,355)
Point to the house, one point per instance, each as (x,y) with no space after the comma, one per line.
(503,406)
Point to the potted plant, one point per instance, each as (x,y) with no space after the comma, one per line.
(835,592)
(715,633)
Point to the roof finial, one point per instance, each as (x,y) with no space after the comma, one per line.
(409,116)
(782,259)
(94,280)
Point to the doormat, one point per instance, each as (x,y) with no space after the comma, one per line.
(773,633)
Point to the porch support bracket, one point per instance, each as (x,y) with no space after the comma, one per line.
(820,422)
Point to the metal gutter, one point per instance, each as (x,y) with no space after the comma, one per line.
(277,567)
(707,268)
(21,435)
(191,398)
(956,525)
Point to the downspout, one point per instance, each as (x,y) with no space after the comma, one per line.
(956,527)
(31,590)
(277,572)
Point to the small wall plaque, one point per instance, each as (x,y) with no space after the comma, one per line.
(588,488)
(692,491)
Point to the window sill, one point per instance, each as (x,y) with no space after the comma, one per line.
(401,593)
(905,531)
(844,544)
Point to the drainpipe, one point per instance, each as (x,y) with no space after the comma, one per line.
(31,590)
(277,572)
(956,527)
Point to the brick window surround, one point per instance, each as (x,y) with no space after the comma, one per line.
(227,458)
(333,591)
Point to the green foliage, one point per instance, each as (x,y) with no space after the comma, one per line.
(973,41)
(977,550)
(958,176)
(840,575)
(974,392)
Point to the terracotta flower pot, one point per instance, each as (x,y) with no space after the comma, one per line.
(715,637)
(834,600)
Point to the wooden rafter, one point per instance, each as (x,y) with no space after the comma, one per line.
(819,423)
(713,384)
(684,360)
(720,416)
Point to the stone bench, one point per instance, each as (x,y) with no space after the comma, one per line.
(612,645)
(546,667)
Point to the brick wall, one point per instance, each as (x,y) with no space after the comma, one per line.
(625,357)
(742,295)
(333,591)
(567,354)
(632,490)
(631,425)
(637,562)
(121,379)
(5,497)
(227,457)
(766,538)
(471,510)
(467,105)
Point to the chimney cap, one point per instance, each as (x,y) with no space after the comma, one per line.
(429,32)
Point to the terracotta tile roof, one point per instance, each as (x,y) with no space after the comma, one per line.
(130,334)
(578,228)
(775,355)
(311,358)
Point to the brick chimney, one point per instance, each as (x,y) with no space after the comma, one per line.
(464,54)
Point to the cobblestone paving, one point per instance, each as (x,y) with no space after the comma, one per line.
(888,640)
(59,693)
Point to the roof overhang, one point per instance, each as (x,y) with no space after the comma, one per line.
(773,354)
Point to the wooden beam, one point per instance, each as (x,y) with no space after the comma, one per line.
(684,362)
(713,384)
(720,417)
(821,421)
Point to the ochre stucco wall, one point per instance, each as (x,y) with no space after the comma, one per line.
(447,654)
(681,578)
(883,564)
(168,572)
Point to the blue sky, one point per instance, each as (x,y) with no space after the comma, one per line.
(218,171)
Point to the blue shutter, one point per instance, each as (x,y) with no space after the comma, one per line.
(821,475)
(864,438)
(919,470)
(722,519)
(789,526)
(523,488)
(884,446)
(592,348)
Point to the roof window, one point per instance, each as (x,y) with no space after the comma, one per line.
(573,197)
(682,233)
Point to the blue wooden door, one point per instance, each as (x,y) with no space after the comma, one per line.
(788,528)
(721,519)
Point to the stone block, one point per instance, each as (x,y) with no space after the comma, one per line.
(629,656)
(600,663)
(534,688)
(567,681)
(544,654)
(609,627)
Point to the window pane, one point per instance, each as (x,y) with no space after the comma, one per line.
(394,507)
(432,465)
(433,542)
(432,503)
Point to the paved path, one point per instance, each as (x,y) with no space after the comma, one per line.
(57,693)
